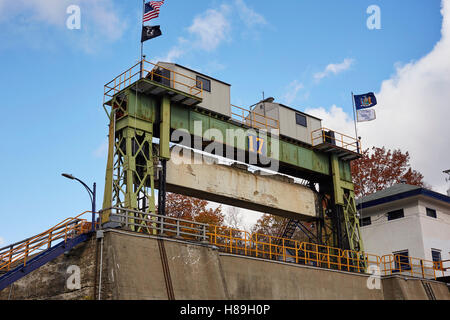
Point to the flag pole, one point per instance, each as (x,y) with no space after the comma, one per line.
(354,120)
(359,164)
(142,43)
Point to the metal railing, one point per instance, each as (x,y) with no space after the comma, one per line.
(158,224)
(324,135)
(152,71)
(445,265)
(228,240)
(254,119)
(400,264)
(288,250)
(19,252)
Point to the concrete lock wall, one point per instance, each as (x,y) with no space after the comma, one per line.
(57,280)
(129,265)
(236,186)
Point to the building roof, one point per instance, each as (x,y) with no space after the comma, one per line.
(287,107)
(397,192)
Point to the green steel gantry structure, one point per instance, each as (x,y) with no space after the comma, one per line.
(141,107)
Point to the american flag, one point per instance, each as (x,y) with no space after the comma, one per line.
(151,10)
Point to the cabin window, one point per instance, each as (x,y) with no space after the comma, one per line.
(203,83)
(436,256)
(431,213)
(401,260)
(300,119)
(397,214)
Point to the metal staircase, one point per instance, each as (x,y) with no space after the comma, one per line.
(19,259)
(292,225)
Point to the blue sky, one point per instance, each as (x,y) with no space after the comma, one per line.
(308,54)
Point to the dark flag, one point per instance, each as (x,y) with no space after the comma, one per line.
(364,101)
(150,32)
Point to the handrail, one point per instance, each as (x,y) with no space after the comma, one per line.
(248,117)
(234,241)
(393,264)
(288,250)
(147,69)
(19,252)
(158,224)
(320,136)
(444,264)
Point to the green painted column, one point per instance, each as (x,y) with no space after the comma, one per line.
(338,191)
(107,195)
(164,150)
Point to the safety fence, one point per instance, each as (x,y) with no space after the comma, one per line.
(20,252)
(158,224)
(287,250)
(154,72)
(185,83)
(400,264)
(254,119)
(330,137)
(227,240)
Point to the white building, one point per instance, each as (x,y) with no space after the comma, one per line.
(407,221)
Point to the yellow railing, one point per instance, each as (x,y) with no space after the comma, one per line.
(241,242)
(445,265)
(20,252)
(395,264)
(254,119)
(151,71)
(288,250)
(323,135)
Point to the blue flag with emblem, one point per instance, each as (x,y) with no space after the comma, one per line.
(364,101)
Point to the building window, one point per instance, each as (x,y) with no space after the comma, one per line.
(401,260)
(300,119)
(397,214)
(365,221)
(203,83)
(431,213)
(437,259)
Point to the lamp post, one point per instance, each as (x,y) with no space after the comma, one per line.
(91,195)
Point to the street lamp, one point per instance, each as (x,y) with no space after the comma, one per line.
(91,194)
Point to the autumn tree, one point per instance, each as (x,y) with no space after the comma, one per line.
(269,225)
(193,209)
(380,169)
(234,219)
(274,226)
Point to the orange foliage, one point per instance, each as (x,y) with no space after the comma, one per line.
(193,209)
(381,169)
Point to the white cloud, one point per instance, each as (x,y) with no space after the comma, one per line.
(100,20)
(335,118)
(413,111)
(49,11)
(173,54)
(102,150)
(249,16)
(292,90)
(334,68)
(211,28)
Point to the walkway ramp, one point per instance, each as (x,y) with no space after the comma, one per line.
(19,259)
